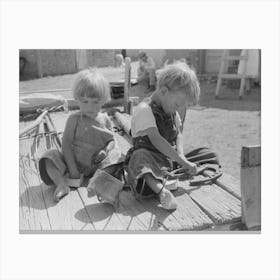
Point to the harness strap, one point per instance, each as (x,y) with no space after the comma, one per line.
(183,174)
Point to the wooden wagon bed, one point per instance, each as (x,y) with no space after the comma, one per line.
(213,207)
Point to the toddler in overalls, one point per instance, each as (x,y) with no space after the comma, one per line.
(87,139)
(157,137)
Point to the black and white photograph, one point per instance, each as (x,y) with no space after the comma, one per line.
(140,140)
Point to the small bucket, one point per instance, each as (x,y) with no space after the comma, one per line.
(105,186)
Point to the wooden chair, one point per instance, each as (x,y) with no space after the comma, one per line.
(222,75)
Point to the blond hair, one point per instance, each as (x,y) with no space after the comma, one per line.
(179,76)
(91,83)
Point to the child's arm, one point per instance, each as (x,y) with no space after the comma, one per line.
(179,140)
(165,148)
(67,149)
(180,151)
(179,144)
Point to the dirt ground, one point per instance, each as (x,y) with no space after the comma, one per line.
(224,125)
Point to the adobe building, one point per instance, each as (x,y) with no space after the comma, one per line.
(53,62)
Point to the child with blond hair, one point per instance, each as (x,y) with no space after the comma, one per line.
(87,138)
(156,132)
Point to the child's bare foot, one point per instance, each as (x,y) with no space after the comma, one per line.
(167,200)
(171,185)
(60,192)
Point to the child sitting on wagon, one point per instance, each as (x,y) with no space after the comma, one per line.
(87,138)
(156,132)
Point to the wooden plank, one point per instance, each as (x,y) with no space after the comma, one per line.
(161,219)
(32,209)
(33,213)
(129,211)
(188,214)
(235,226)
(186,217)
(101,215)
(218,204)
(69,213)
(229,183)
(141,210)
(144,214)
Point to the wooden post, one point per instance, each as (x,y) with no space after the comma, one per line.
(243,78)
(251,186)
(127,85)
(222,68)
(247,85)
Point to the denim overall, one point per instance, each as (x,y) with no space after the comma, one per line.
(90,136)
(144,157)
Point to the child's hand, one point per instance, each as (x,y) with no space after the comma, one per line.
(100,156)
(191,167)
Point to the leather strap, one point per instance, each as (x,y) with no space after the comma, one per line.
(182,174)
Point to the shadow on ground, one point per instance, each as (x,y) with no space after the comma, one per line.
(97,212)
(38,197)
(146,214)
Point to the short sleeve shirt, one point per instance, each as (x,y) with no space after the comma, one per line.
(143,118)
